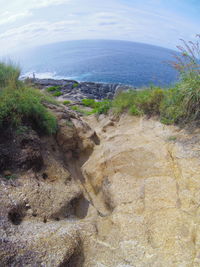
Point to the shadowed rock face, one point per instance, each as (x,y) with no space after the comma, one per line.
(126,194)
(76,91)
(39,206)
(20,151)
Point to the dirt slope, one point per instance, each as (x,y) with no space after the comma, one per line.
(148,177)
(107,193)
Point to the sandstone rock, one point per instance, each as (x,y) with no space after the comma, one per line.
(38,208)
(134,201)
(149,186)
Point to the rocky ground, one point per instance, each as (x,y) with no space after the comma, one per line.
(75,91)
(104,191)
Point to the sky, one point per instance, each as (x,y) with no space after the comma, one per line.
(29,23)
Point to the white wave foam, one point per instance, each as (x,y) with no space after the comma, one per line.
(45,75)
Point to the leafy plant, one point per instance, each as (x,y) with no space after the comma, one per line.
(25,105)
(89,103)
(53,88)
(139,102)
(75,85)
(66,102)
(57,93)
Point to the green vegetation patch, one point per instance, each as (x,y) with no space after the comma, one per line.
(26,105)
(21,105)
(53,88)
(75,85)
(57,93)
(99,107)
(11,177)
(66,102)
(172,138)
(9,74)
(139,102)
(81,111)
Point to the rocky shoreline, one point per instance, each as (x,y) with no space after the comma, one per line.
(76,91)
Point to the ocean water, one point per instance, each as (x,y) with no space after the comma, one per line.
(101,61)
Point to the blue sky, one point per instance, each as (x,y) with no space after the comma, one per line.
(29,23)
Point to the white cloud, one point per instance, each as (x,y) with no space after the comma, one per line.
(8,17)
(45,3)
(91,19)
(35,4)
(22,8)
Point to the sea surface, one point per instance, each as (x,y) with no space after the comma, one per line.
(122,62)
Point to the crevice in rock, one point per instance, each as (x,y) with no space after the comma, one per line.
(76,259)
(79,207)
(17,213)
(95,138)
(76,208)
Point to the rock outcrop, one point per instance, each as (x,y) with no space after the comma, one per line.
(40,200)
(147,175)
(75,91)
(126,194)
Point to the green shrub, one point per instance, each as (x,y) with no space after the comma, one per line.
(57,93)
(133,110)
(182,103)
(9,74)
(25,105)
(139,102)
(75,85)
(149,101)
(53,88)
(172,109)
(102,107)
(89,103)
(66,102)
(82,111)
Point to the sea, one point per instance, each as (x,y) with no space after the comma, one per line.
(120,62)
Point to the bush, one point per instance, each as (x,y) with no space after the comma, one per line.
(75,85)
(171,109)
(57,93)
(9,74)
(89,103)
(66,102)
(182,103)
(53,88)
(139,102)
(81,111)
(98,107)
(102,107)
(25,105)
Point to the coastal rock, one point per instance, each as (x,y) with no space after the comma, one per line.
(76,91)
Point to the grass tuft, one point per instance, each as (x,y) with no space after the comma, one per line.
(21,105)
(9,74)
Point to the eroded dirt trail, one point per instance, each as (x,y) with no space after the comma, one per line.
(125,195)
(148,177)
